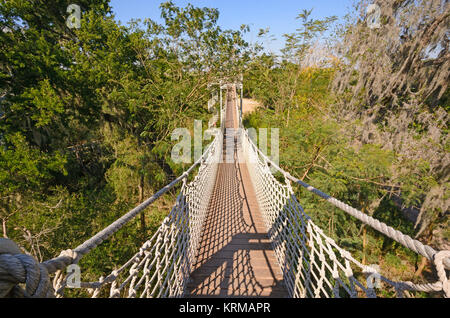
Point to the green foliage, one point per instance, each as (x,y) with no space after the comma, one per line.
(25,169)
(316,149)
(87,115)
(298,43)
(336,138)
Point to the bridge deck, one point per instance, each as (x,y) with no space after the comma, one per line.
(235,258)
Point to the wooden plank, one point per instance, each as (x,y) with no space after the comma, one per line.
(235,257)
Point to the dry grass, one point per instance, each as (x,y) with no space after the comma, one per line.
(249,105)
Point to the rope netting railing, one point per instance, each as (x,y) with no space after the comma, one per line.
(163,264)
(160,268)
(312,263)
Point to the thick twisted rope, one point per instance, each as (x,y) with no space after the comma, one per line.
(18,268)
(73,256)
(392,233)
(439,259)
(302,252)
(170,243)
(162,266)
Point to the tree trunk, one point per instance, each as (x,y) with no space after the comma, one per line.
(141,199)
(421,267)
(364,245)
(288,114)
(364,232)
(4,228)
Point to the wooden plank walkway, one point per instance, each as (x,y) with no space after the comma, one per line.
(235,258)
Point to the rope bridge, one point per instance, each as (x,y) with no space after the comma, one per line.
(311,263)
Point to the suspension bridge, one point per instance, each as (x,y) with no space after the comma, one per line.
(235,230)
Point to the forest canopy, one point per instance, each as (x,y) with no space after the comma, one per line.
(86,116)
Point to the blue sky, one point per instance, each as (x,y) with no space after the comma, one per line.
(279,15)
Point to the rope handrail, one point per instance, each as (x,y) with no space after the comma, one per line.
(415,245)
(176,238)
(68,257)
(312,263)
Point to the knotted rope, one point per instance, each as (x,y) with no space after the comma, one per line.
(383,228)
(439,259)
(302,248)
(312,263)
(17,268)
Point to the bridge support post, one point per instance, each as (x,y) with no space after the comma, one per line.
(242,95)
(221,101)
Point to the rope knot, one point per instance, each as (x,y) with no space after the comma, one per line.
(71,254)
(17,268)
(438,260)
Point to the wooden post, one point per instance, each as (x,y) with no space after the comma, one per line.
(242,95)
(221,110)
